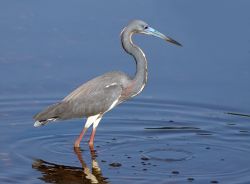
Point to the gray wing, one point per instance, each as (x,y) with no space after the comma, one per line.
(96,96)
(90,100)
(82,102)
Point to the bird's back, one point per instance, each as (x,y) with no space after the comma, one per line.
(93,97)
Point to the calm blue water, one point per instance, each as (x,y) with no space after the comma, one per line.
(191,124)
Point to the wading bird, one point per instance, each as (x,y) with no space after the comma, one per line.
(101,94)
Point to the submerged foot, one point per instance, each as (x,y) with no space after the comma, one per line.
(77,143)
(91,145)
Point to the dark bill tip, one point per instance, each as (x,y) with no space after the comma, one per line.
(173,41)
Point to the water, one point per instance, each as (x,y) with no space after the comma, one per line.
(191,124)
(164,142)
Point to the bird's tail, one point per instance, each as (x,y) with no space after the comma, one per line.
(43,122)
(52,113)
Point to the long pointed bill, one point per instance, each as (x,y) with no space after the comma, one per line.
(152,31)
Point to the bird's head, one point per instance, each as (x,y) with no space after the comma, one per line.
(141,27)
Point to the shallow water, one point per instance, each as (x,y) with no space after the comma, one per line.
(163,142)
(191,124)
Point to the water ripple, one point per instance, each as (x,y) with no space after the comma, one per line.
(146,139)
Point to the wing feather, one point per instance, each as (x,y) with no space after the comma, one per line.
(92,99)
(96,96)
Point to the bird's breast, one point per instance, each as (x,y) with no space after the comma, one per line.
(131,91)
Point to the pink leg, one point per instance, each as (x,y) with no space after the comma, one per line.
(92,137)
(78,140)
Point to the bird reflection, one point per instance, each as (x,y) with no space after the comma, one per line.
(55,173)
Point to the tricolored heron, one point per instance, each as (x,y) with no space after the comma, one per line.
(101,94)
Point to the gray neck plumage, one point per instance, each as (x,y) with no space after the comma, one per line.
(140,78)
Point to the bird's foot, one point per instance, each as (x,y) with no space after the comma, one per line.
(77,143)
(76,146)
(91,145)
(78,140)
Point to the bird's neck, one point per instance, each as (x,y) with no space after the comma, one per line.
(140,78)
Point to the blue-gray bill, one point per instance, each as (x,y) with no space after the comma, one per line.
(153,32)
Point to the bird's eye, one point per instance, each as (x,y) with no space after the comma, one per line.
(145,27)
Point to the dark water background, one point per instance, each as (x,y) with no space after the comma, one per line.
(191,124)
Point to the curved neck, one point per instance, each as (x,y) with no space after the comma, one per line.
(140,78)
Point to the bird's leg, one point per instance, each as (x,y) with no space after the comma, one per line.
(78,140)
(88,123)
(92,136)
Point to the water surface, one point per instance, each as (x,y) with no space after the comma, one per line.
(164,141)
(191,123)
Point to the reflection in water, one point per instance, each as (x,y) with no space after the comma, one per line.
(55,173)
(163,142)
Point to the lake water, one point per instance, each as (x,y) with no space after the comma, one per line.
(191,124)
